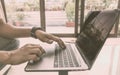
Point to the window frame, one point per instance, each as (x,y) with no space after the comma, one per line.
(3,10)
(43,19)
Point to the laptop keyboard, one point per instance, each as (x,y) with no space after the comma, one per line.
(65,58)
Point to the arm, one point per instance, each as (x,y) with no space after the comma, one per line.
(27,52)
(10,31)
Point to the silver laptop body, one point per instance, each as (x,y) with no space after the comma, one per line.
(84,51)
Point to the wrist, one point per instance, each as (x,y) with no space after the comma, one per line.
(5,57)
(8,61)
(33,31)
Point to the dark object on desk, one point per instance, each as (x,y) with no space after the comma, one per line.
(82,54)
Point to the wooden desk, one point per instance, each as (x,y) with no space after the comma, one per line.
(105,64)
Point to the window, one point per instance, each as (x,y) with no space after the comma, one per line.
(119,20)
(1,13)
(60,17)
(57,17)
(23,13)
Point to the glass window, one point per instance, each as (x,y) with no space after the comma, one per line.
(119,19)
(60,16)
(23,12)
(119,29)
(1,12)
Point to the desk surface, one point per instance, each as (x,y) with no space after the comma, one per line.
(103,65)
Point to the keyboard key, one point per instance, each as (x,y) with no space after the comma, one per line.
(65,58)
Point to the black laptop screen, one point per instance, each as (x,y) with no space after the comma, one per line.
(94,34)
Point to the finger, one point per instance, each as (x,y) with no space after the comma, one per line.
(48,41)
(32,57)
(34,61)
(36,51)
(30,46)
(33,45)
(58,40)
(42,50)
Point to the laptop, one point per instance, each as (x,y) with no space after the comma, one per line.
(81,54)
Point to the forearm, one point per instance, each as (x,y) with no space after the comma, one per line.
(9,31)
(20,32)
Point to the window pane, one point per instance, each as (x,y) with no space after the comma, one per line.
(1,12)
(23,12)
(60,16)
(101,5)
(119,19)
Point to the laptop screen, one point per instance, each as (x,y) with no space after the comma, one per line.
(91,39)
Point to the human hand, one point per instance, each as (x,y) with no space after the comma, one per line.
(26,53)
(49,38)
